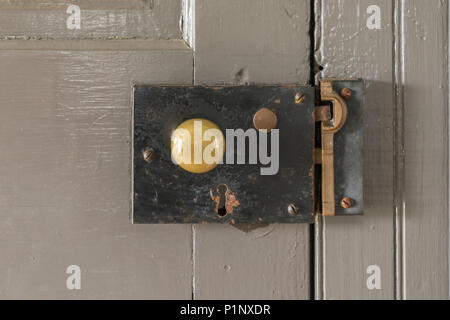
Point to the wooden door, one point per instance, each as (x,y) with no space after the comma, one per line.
(65,140)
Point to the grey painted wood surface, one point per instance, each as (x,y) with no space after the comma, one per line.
(247,41)
(425,103)
(100,19)
(352,244)
(405,229)
(238,42)
(65,176)
(266,263)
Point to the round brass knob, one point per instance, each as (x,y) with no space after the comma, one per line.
(265,119)
(197,145)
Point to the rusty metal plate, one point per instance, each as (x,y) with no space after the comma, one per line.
(165,193)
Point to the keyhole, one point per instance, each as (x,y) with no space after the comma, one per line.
(222,191)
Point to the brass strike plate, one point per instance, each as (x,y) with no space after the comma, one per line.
(343,173)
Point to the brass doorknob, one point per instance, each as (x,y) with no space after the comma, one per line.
(265,119)
(198,145)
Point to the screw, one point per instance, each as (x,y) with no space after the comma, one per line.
(148,155)
(300,97)
(347,203)
(346,93)
(292,209)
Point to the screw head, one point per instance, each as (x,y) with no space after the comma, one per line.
(148,155)
(346,93)
(300,97)
(347,203)
(292,209)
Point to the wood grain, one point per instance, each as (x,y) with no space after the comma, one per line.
(347,48)
(239,42)
(65,178)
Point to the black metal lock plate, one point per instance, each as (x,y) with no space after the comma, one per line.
(165,193)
